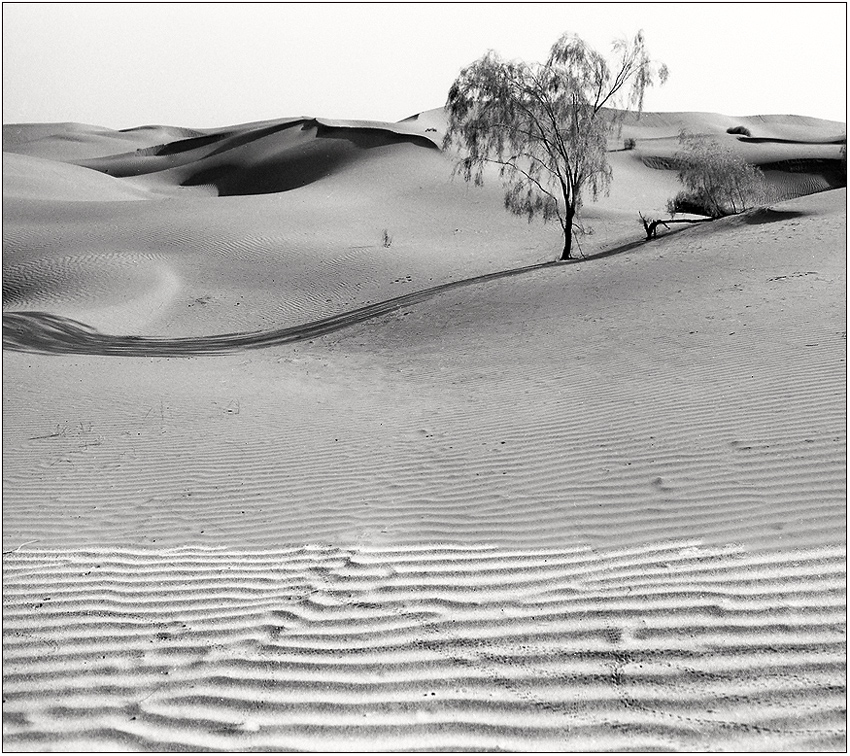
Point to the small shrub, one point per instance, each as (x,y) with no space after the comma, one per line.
(717,181)
(386,239)
(629,144)
(742,130)
(693,203)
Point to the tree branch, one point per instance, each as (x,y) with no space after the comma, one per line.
(529,177)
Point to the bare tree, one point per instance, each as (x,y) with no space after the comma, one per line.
(650,225)
(546,125)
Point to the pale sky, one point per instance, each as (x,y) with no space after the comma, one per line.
(213,64)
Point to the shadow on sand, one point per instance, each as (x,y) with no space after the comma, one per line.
(770,215)
(45,333)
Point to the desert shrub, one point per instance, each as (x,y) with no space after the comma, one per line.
(716,181)
(693,203)
(743,130)
(687,202)
(386,239)
(629,144)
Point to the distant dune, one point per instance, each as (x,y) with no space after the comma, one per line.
(308,446)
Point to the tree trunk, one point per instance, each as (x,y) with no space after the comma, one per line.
(568,239)
(568,233)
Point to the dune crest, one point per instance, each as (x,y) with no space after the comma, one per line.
(271,158)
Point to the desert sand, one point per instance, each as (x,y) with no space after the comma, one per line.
(308,446)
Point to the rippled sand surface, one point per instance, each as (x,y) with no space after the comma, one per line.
(307,447)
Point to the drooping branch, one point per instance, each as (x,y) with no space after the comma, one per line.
(515,167)
(543,124)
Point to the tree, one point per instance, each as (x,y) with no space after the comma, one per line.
(546,125)
(717,181)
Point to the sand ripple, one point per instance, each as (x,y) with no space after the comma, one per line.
(319,647)
(560,507)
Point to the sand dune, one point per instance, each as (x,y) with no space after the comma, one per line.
(276,158)
(273,483)
(69,142)
(35,178)
(792,127)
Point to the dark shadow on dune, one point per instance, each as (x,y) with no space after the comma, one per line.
(239,162)
(620,249)
(832,172)
(369,137)
(46,333)
(769,140)
(234,140)
(298,166)
(186,145)
(770,215)
(247,162)
(629,246)
(365,137)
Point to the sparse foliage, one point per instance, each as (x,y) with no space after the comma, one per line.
(386,239)
(545,126)
(629,144)
(717,181)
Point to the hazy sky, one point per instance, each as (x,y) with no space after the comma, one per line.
(213,64)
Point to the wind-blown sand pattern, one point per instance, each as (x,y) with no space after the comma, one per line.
(477,647)
(272,485)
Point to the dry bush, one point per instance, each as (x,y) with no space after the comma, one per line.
(717,181)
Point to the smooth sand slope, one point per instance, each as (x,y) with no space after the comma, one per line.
(270,484)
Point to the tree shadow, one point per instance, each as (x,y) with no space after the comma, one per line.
(632,245)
